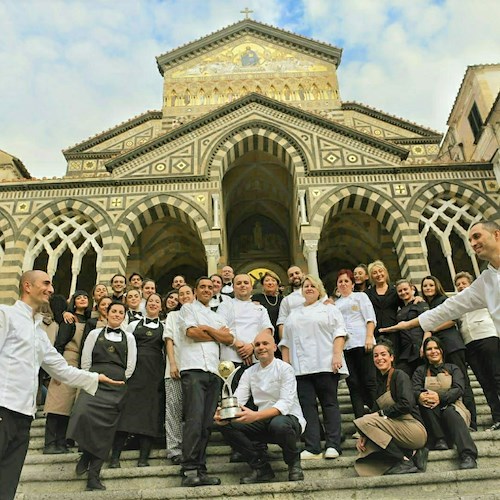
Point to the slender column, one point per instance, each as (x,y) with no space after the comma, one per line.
(303,211)
(216,211)
(213,256)
(311,253)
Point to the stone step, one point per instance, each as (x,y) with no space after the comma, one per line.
(62,480)
(451,484)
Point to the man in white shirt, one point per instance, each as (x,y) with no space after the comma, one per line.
(227,279)
(272,384)
(24,348)
(178,281)
(484,292)
(199,364)
(217,296)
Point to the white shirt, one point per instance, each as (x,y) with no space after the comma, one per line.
(357,310)
(273,386)
(477,325)
(196,355)
(24,348)
(483,292)
(88,347)
(245,319)
(172,331)
(290,302)
(227,288)
(309,333)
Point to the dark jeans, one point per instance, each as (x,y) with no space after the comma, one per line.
(483,357)
(361,380)
(448,424)
(283,430)
(200,393)
(458,358)
(14,441)
(324,387)
(55,429)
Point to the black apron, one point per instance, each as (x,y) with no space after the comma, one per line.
(94,418)
(143,412)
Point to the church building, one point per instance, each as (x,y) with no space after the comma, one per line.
(254,160)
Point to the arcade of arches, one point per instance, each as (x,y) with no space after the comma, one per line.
(276,173)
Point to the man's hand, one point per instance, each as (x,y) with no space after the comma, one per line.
(246,416)
(174,371)
(106,380)
(245,350)
(336,363)
(369,343)
(402,325)
(217,418)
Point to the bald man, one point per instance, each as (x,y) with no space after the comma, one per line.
(24,348)
(278,418)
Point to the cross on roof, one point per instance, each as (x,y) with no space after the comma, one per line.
(246,11)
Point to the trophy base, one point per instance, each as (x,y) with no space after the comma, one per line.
(229,408)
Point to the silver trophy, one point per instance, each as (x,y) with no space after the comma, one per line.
(229,404)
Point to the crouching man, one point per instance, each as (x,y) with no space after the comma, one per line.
(278,419)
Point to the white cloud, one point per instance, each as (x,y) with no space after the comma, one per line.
(72,68)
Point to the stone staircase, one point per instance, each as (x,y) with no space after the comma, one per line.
(52,477)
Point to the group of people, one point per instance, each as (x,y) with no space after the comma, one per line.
(403,354)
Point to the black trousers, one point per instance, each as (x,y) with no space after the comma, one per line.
(409,367)
(283,430)
(483,357)
(200,395)
(55,429)
(14,441)
(324,387)
(361,380)
(458,358)
(448,424)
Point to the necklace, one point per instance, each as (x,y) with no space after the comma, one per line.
(269,302)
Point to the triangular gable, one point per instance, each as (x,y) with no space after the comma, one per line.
(177,153)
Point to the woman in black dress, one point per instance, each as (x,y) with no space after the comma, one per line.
(410,341)
(385,301)
(271,300)
(93,421)
(450,338)
(143,414)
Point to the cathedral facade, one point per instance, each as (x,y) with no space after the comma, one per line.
(254,161)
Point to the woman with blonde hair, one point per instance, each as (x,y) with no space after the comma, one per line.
(313,343)
(385,301)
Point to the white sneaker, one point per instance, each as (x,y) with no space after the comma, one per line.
(307,455)
(331,453)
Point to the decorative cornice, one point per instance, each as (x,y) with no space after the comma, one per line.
(416,140)
(248,26)
(113,132)
(265,101)
(393,120)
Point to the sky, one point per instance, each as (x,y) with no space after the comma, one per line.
(70,69)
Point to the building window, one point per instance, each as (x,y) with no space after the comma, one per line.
(476,123)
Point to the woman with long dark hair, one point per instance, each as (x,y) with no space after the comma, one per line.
(438,388)
(451,340)
(390,434)
(61,397)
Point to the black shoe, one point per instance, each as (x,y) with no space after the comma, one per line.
(83,465)
(114,463)
(142,462)
(494,427)
(176,459)
(191,480)
(420,459)
(206,480)
(236,457)
(403,467)
(467,462)
(94,483)
(440,444)
(53,449)
(261,475)
(295,472)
